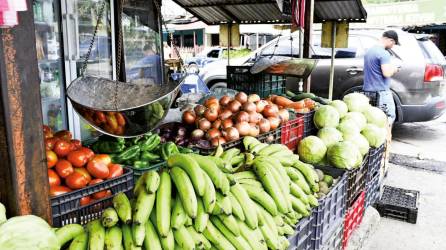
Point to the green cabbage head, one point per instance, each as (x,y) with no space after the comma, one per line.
(329,136)
(340,106)
(326,116)
(311,149)
(356,102)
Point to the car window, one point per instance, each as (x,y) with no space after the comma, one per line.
(213,53)
(431,52)
(282,46)
(409,49)
(353,50)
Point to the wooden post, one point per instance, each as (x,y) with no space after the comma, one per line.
(23,171)
(308,33)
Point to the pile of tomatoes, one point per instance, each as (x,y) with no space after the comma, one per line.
(72,166)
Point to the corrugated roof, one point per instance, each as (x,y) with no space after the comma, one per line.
(351,10)
(267,11)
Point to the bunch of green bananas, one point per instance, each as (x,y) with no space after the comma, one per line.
(232,200)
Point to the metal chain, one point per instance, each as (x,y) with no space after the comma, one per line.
(158,7)
(119,52)
(100,14)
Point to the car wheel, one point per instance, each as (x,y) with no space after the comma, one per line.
(217,85)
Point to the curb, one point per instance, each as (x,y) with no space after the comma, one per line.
(414,162)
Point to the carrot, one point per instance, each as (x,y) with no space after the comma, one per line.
(297,105)
(282,101)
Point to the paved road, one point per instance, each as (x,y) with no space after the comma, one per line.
(428,233)
(424,139)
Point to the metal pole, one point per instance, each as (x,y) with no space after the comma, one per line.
(301,55)
(333,45)
(309,13)
(229,40)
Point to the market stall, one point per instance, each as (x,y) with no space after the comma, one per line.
(237,171)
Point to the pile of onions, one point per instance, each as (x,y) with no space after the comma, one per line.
(228,119)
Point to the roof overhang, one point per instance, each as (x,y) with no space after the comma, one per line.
(268,11)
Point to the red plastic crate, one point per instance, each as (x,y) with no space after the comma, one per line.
(292,133)
(353,218)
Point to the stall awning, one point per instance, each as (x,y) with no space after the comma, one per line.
(267,11)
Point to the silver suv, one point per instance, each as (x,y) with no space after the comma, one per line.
(419,88)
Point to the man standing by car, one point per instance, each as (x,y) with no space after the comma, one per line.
(377,72)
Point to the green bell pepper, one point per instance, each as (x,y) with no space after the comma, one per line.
(108,147)
(150,143)
(150,157)
(140,164)
(168,149)
(129,153)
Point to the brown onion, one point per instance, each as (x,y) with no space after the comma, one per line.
(227,123)
(224,100)
(225,114)
(234,106)
(216,124)
(260,105)
(218,141)
(204,124)
(271,111)
(264,126)
(254,117)
(274,122)
(243,128)
(249,107)
(242,116)
(284,115)
(253,98)
(211,100)
(231,134)
(199,110)
(197,134)
(254,130)
(241,97)
(189,117)
(213,133)
(211,114)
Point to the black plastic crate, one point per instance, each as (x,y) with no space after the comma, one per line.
(332,207)
(302,239)
(376,155)
(263,84)
(309,127)
(271,137)
(333,240)
(372,189)
(356,181)
(398,203)
(66,208)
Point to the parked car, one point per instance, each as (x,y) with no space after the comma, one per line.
(206,56)
(419,88)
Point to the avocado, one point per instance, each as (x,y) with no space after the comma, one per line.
(328,179)
(323,187)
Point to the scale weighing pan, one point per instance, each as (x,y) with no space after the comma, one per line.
(284,65)
(121,109)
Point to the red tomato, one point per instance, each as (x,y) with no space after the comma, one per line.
(49,143)
(76,144)
(51,158)
(115,170)
(108,194)
(84,172)
(104,158)
(53,178)
(78,158)
(64,135)
(58,190)
(88,152)
(76,180)
(47,129)
(85,200)
(98,169)
(100,194)
(62,148)
(64,168)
